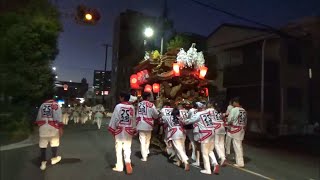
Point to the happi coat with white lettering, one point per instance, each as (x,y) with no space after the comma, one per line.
(175,128)
(146,114)
(165,115)
(238,121)
(203,127)
(217,121)
(49,119)
(122,124)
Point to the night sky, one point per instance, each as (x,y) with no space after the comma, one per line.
(81,49)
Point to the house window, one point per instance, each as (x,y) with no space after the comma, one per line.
(294,98)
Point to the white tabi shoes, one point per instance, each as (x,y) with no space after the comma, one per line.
(205,171)
(43,165)
(55,160)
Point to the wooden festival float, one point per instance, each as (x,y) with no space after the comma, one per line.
(177,76)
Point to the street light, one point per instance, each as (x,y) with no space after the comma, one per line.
(56,77)
(70,81)
(148,32)
(54,68)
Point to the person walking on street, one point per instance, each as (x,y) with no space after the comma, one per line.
(122,127)
(50,124)
(146,115)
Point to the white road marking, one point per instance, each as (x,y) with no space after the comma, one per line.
(242,169)
(251,172)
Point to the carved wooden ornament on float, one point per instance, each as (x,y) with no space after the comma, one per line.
(148,88)
(156,88)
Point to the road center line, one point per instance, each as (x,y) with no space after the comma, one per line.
(242,169)
(251,172)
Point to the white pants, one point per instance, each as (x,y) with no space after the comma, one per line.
(124,146)
(191,138)
(180,149)
(219,145)
(99,120)
(237,146)
(53,141)
(206,149)
(84,119)
(76,119)
(65,119)
(228,144)
(144,137)
(213,158)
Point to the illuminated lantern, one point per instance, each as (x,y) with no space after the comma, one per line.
(156,88)
(134,81)
(206,91)
(139,93)
(65,87)
(148,88)
(176,69)
(203,72)
(140,77)
(145,75)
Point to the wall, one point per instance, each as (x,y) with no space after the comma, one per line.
(294,84)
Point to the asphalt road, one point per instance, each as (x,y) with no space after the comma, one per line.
(88,154)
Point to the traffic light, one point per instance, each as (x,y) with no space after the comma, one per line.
(86,15)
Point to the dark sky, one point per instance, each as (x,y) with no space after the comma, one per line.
(81,49)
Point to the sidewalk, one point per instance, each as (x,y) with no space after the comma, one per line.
(31,140)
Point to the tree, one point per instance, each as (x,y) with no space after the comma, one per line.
(179,41)
(28,42)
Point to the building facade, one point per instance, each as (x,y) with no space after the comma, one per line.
(102,82)
(128,48)
(70,91)
(269,71)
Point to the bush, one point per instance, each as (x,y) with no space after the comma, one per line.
(16,124)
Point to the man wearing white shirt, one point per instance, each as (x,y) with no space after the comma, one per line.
(237,120)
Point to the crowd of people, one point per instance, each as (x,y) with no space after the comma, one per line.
(83,113)
(206,126)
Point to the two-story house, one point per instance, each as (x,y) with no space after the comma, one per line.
(269,71)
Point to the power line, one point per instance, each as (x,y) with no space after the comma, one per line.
(232,14)
(240,17)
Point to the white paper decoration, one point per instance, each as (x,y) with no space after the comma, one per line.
(191,57)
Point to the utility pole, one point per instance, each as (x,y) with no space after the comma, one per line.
(105,73)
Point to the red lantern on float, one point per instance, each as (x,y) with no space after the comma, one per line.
(134,81)
(156,88)
(206,90)
(140,77)
(139,93)
(145,75)
(148,88)
(65,87)
(176,69)
(203,72)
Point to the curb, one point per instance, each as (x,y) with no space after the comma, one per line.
(25,143)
